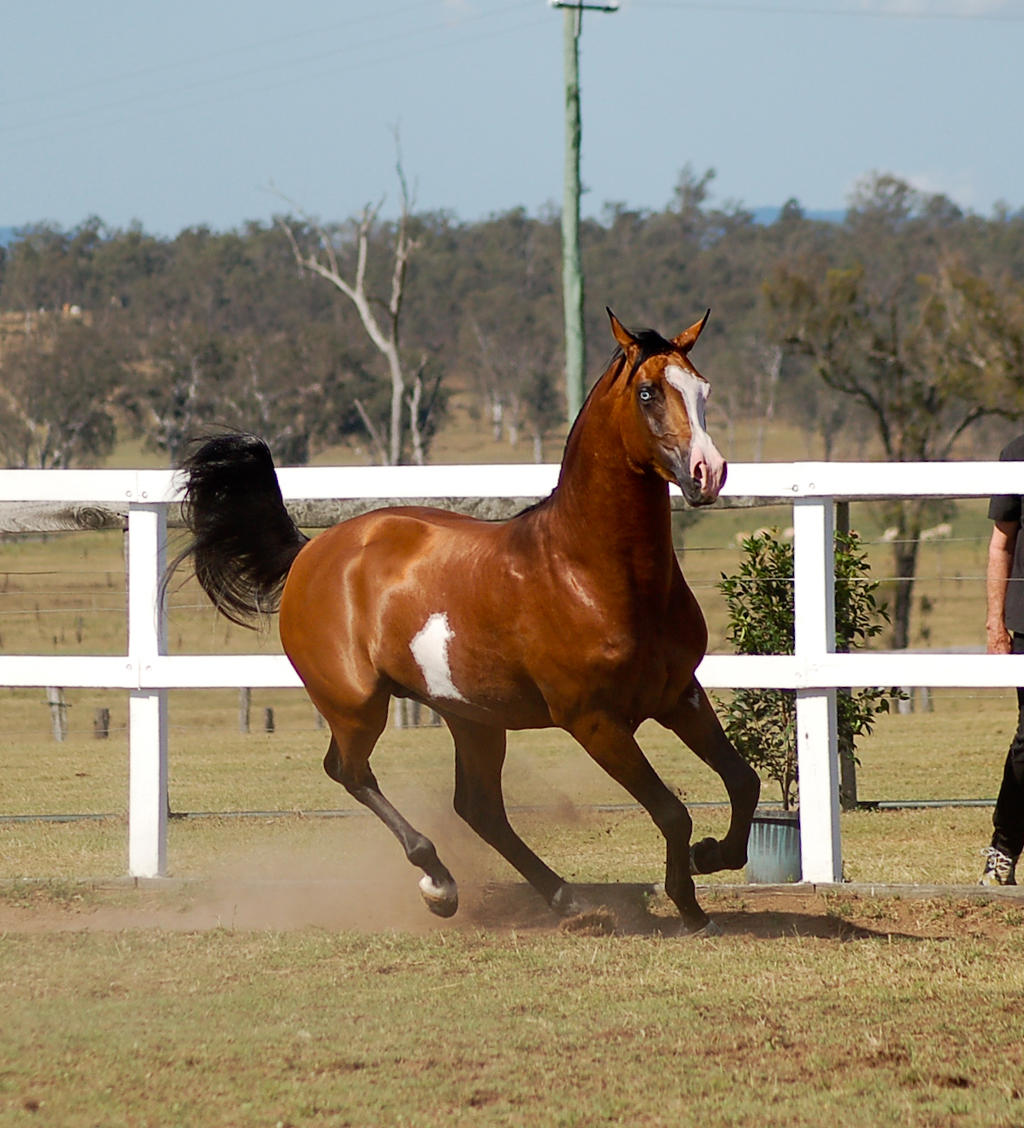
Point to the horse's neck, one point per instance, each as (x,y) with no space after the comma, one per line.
(609,510)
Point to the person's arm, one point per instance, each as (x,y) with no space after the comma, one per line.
(997,577)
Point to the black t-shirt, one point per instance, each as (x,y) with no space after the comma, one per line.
(1007,507)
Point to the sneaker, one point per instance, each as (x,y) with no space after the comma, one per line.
(999,868)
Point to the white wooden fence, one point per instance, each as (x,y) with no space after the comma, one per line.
(815,671)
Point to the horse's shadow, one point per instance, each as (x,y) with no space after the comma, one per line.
(627,909)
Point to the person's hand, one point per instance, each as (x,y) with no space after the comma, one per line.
(998,640)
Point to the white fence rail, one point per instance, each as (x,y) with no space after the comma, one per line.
(815,671)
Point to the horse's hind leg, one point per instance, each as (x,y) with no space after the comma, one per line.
(479,757)
(694,721)
(347,762)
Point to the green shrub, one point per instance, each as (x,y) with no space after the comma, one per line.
(762,722)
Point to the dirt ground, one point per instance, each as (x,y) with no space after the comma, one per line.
(826,912)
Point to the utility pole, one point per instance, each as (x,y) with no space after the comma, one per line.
(572,267)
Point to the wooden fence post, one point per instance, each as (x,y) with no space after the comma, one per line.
(101,723)
(406,713)
(58,712)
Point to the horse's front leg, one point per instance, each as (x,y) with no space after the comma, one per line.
(612,746)
(694,721)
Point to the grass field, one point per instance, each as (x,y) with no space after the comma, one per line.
(551,783)
(863,1024)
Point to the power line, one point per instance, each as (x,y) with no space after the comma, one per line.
(844,12)
(454,37)
(51,94)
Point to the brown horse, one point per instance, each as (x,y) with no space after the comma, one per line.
(572,614)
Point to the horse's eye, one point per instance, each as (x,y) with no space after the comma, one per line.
(646,394)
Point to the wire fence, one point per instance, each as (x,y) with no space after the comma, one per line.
(38,615)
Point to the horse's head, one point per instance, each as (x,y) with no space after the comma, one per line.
(663,421)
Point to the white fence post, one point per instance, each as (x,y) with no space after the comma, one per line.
(147,640)
(815,637)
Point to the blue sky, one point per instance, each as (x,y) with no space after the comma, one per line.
(196,113)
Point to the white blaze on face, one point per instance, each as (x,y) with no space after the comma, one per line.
(430,649)
(707,466)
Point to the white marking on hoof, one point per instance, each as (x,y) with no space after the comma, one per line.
(565,903)
(430,649)
(709,930)
(441,899)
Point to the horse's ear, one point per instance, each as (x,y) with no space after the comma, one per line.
(621,333)
(688,338)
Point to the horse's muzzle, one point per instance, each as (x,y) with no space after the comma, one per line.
(704,483)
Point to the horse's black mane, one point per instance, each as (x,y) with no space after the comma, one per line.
(651,343)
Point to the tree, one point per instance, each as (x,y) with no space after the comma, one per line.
(324,259)
(45,266)
(56,395)
(925,346)
(294,389)
(297,362)
(542,406)
(517,362)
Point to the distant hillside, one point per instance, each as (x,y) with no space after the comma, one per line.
(767,214)
(771,214)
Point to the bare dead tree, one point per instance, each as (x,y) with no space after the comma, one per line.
(415,404)
(382,331)
(497,382)
(513,371)
(766,379)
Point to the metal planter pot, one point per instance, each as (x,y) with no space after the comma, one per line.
(773,853)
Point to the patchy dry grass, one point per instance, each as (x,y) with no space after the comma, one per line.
(308,1027)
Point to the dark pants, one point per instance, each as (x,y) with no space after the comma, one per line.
(1008,818)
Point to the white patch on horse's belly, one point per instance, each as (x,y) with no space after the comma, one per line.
(430,649)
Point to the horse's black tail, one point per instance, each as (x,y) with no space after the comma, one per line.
(243,539)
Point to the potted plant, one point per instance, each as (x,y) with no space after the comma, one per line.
(761,723)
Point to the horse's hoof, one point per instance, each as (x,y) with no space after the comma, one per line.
(443,899)
(702,932)
(565,904)
(710,851)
